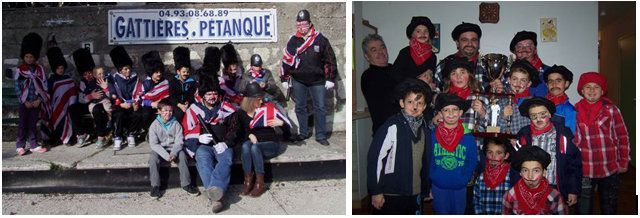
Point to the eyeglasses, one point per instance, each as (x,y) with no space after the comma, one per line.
(526,46)
(541,115)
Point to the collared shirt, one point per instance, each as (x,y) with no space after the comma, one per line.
(604,148)
(547,141)
(479,74)
(554,205)
(489,201)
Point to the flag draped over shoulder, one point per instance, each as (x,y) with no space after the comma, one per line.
(190,124)
(267,112)
(65,95)
(158,92)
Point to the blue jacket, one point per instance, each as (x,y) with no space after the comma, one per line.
(541,89)
(389,162)
(453,170)
(568,113)
(568,159)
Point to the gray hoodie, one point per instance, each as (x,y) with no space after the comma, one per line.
(166,141)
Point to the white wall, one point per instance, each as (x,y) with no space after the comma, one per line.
(576,47)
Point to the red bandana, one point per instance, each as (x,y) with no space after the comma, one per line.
(536,132)
(460,92)
(256,73)
(449,138)
(524,94)
(557,100)
(473,59)
(532,200)
(587,112)
(494,176)
(536,62)
(420,52)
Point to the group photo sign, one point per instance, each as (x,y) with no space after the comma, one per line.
(176,26)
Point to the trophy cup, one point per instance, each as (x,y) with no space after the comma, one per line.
(495,66)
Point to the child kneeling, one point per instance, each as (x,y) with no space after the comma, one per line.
(166,140)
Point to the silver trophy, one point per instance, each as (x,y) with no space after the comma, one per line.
(495,66)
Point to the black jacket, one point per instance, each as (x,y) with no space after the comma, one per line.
(317,62)
(181,92)
(406,68)
(377,84)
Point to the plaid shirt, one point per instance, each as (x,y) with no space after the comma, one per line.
(547,141)
(479,74)
(489,201)
(605,149)
(517,121)
(554,205)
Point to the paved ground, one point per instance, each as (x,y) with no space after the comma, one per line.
(283,198)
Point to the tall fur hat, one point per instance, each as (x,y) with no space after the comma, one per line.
(120,57)
(152,62)
(83,60)
(229,55)
(181,57)
(56,58)
(207,84)
(31,44)
(211,61)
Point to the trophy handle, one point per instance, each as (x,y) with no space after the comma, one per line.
(475,114)
(509,119)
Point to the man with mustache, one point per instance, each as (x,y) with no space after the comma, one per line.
(549,133)
(467,38)
(558,79)
(523,45)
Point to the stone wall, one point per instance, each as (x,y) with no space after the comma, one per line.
(75,25)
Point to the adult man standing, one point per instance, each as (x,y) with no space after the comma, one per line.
(523,45)
(467,37)
(310,60)
(378,80)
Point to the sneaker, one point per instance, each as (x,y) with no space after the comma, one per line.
(131,141)
(216,206)
(155,192)
(214,193)
(323,142)
(192,190)
(21,151)
(117,143)
(38,149)
(100,143)
(82,139)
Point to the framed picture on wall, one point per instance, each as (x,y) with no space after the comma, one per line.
(549,29)
(435,43)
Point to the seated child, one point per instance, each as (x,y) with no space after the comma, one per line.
(455,156)
(166,140)
(494,181)
(532,194)
(398,159)
(96,84)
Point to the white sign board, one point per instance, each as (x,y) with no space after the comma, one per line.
(176,26)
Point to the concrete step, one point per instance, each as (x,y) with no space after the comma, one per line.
(86,169)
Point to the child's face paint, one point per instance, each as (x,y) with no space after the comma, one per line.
(451,114)
(413,104)
(183,73)
(211,97)
(532,173)
(496,154)
(165,113)
(540,117)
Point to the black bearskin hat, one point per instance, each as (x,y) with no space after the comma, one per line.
(181,57)
(31,44)
(83,60)
(56,58)
(120,57)
(211,62)
(152,62)
(208,84)
(229,55)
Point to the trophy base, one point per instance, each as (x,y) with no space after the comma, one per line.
(493,129)
(494,135)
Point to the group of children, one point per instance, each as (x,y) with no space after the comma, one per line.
(558,156)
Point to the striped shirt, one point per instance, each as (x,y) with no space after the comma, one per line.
(547,141)
(489,201)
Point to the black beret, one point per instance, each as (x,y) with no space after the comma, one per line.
(56,58)
(120,57)
(31,44)
(566,73)
(530,153)
(465,27)
(446,99)
(413,85)
(523,35)
(303,15)
(452,62)
(525,65)
(524,107)
(416,21)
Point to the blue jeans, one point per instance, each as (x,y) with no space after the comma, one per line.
(318,93)
(254,154)
(214,168)
(608,188)
(449,201)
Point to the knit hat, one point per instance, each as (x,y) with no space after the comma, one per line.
(592,77)
(528,103)
(229,55)
(525,65)
(446,99)
(452,62)
(83,60)
(120,57)
(530,153)
(523,35)
(31,44)
(303,15)
(56,58)
(465,27)
(566,73)
(420,20)
(152,62)
(181,57)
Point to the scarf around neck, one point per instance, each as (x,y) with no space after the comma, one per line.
(536,62)
(536,132)
(463,93)
(587,113)
(521,95)
(449,139)
(557,100)
(494,176)
(532,199)
(473,58)
(420,52)
(414,122)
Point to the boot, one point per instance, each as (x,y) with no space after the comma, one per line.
(247,185)
(259,187)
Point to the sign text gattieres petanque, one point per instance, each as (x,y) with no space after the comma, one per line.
(176,26)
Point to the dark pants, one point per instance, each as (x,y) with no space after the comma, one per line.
(126,121)
(148,116)
(101,119)
(608,190)
(77,111)
(400,205)
(253,155)
(318,93)
(27,126)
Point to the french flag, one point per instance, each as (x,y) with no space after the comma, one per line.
(267,112)
(158,92)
